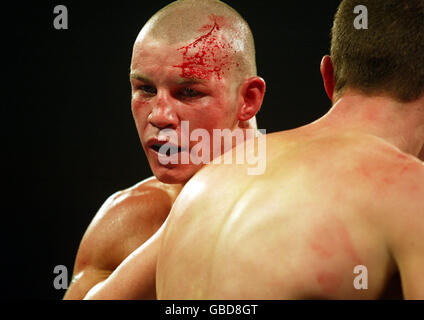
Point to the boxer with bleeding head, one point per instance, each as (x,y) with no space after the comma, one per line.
(193,61)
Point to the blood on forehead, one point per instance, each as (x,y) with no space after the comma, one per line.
(207,55)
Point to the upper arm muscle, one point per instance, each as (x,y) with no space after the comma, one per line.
(124,222)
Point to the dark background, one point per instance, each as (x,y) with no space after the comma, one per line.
(68,138)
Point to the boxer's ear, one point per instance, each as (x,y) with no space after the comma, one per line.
(421,154)
(252,95)
(327,73)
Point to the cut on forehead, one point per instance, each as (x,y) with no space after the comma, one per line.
(184,21)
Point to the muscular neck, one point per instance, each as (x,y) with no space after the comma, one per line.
(401,124)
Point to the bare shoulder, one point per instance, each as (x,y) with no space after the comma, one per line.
(126,220)
(363,171)
(370,159)
(149,198)
(395,173)
(399,209)
(401,183)
(392,180)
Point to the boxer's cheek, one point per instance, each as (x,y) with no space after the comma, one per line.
(138,103)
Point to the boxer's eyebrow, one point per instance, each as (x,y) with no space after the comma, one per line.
(137,76)
(183,81)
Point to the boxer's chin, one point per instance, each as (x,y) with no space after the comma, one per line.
(177,174)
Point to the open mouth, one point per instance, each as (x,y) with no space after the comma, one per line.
(166,149)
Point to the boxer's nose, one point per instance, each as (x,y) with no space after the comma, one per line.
(163,115)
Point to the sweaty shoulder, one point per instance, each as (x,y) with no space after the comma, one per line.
(365,165)
(366,176)
(381,168)
(126,220)
(394,181)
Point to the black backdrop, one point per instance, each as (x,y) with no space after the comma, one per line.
(68,138)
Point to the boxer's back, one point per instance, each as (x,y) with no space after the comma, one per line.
(328,202)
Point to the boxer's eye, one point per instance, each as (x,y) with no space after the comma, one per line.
(148,89)
(189,93)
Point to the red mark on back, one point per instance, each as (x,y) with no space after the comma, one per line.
(331,239)
(322,251)
(346,243)
(333,253)
(206,55)
(328,281)
(364,170)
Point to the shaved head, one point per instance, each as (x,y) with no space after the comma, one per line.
(193,62)
(214,38)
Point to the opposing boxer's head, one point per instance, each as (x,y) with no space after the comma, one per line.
(193,62)
(385,58)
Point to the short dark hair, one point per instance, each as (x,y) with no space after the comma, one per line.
(388,57)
